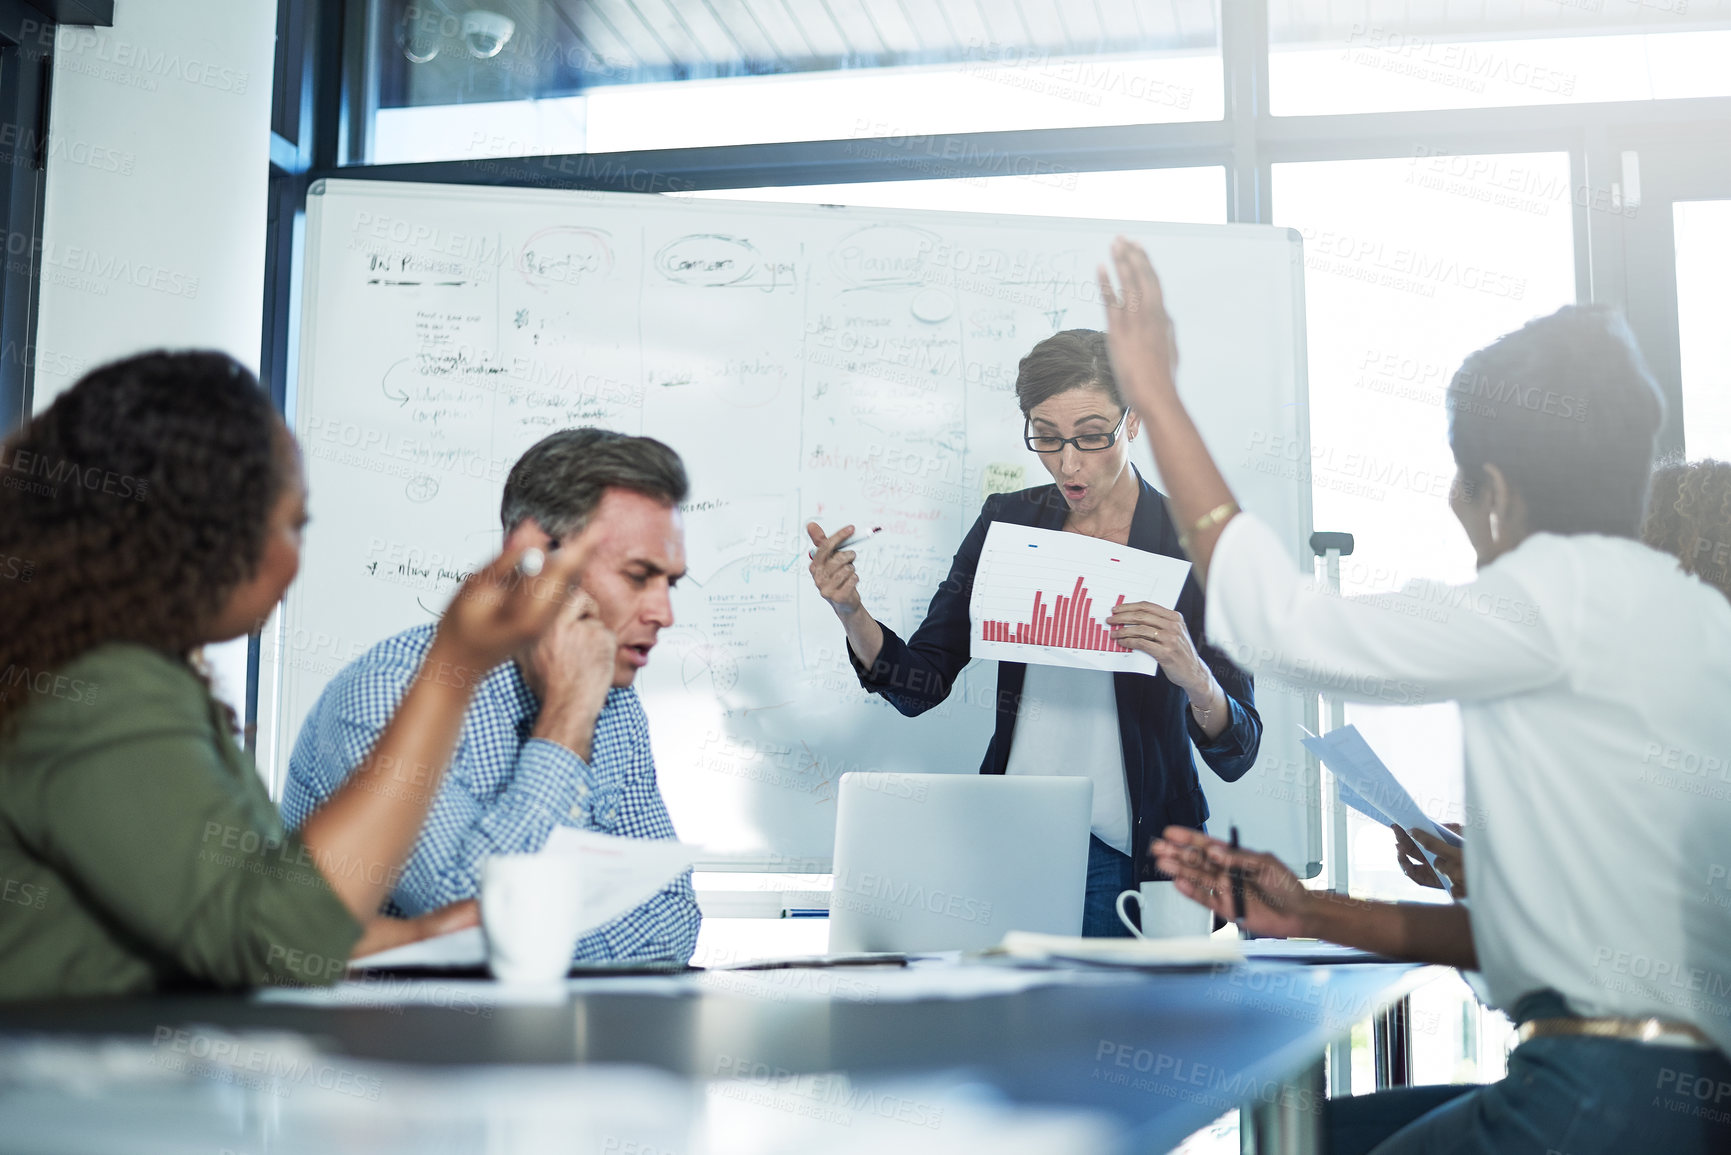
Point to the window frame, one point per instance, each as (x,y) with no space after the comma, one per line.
(27,37)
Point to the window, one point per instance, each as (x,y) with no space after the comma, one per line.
(1380,58)
(1195,195)
(1703,231)
(1410,264)
(589,76)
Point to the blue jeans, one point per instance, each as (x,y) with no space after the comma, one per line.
(1109,873)
(1570,1094)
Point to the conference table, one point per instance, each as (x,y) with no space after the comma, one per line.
(1135,1061)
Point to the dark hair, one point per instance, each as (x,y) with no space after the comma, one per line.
(1689,516)
(1567,409)
(1072,359)
(562,477)
(134,505)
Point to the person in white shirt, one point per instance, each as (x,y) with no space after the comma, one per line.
(1689,517)
(1593,677)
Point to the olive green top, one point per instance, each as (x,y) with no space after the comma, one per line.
(138,849)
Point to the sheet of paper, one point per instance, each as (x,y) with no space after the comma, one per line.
(1304,950)
(1355,800)
(920,981)
(1375,792)
(1200,950)
(1041,596)
(460,948)
(396,991)
(618,873)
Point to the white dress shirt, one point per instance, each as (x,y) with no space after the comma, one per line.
(1067,723)
(1594,679)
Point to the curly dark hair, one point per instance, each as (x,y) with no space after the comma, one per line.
(1689,515)
(129,510)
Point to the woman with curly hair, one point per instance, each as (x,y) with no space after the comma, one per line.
(154,508)
(1689,514)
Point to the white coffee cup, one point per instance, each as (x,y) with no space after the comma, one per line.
(1165,913)
(530,911)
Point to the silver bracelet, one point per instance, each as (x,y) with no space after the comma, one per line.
(1207,715)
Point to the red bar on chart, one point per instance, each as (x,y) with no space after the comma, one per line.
(1068,623)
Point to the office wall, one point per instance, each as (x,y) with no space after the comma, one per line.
(153,231)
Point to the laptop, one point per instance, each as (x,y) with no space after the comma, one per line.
(930,862)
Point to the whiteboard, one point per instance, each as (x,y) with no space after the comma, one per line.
(847,365)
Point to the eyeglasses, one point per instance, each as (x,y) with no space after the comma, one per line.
(1086,442)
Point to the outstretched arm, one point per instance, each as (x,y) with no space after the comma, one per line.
(1276,903)
(918,674)
(1144,361)
(360,838)
(833,573)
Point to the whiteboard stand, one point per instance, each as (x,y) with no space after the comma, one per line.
(1331,547)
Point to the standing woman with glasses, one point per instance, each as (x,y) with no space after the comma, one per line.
(1130,733)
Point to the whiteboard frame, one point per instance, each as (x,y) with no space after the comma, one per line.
(274,746)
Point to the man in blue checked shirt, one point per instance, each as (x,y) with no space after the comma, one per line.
(557,735)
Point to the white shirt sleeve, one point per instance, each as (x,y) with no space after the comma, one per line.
(1430,642)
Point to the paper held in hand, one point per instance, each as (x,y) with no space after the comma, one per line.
(617,874)
(1041,596)
(1367,785)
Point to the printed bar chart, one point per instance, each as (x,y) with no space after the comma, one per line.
(1042,596)
(1069,625)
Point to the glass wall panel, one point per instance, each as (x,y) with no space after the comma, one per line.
(463,79)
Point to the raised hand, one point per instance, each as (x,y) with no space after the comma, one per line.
(1276,903)
(573,666)
(832,572)
(1139,333)
(510,602)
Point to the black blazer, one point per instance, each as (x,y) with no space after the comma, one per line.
(1154,721)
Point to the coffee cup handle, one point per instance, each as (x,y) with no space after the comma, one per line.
(1125,918)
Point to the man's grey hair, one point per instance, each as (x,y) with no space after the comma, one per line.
(562,477)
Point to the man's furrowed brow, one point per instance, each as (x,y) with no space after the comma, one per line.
(654,568)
